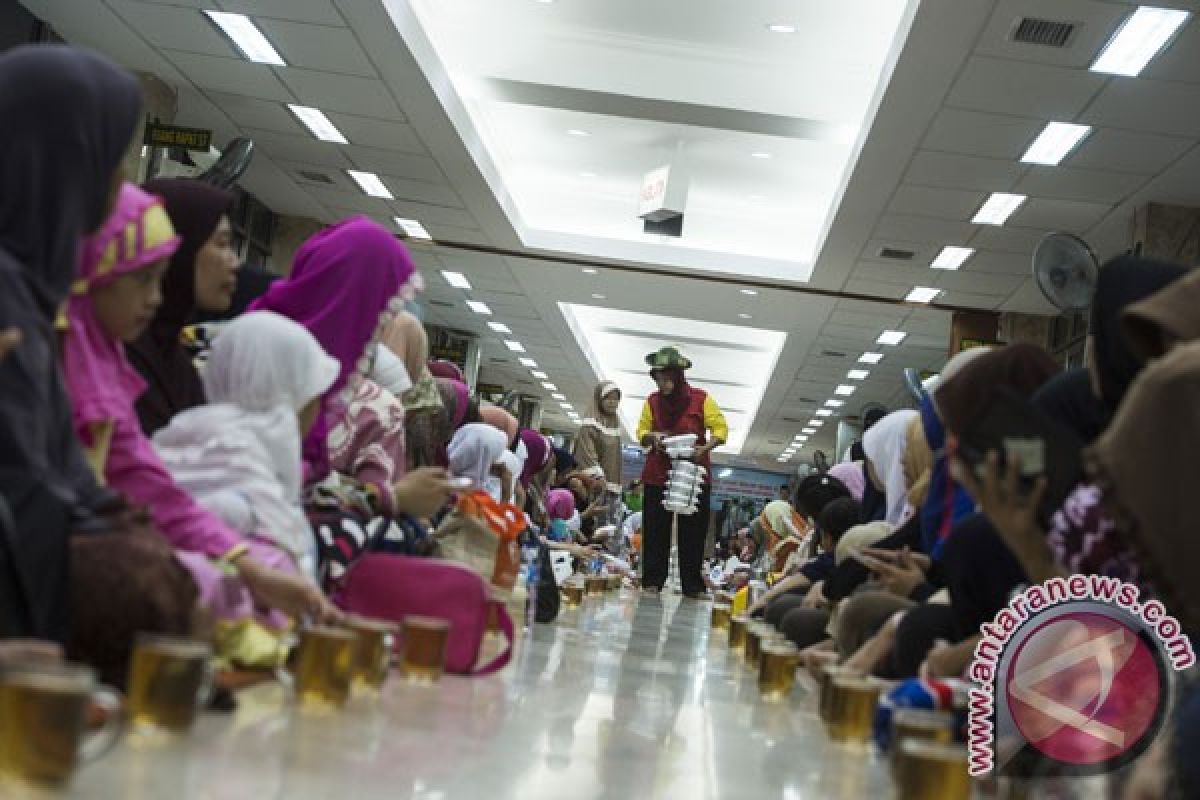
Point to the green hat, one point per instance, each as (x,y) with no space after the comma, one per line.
(666,358)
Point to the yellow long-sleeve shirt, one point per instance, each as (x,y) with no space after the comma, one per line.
(714,420)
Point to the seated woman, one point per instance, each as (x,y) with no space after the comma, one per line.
(474,453)
(113,299)
(239,456)
(69,115)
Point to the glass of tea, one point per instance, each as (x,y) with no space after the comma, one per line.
(777,669)
(596,584)
(424,648)
(737,631)
(720,616)
(852,702)
(323,667)
(929,770)
(44,712)
(573,593)
(373,648)
(170,679)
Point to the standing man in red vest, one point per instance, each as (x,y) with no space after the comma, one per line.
(676,408)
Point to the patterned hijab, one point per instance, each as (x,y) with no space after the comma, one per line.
(347,283)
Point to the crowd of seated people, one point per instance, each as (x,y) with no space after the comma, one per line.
(905,595)
(160,475)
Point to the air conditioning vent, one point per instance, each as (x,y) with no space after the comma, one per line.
(495,360)
(832,354)
(774,441)
(896,254)
(315,177)
(440,303)
(1045,32)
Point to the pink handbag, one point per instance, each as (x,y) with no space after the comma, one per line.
(391,587)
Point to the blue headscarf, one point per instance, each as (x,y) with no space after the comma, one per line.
(947,502)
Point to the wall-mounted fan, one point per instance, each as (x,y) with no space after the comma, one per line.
(232,164)
(1066,270)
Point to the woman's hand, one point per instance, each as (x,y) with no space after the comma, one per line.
(899,574)
(890,556)
(291,594)
(423,492)
(1013,513)
(29,651)
(815,597)
(945,660)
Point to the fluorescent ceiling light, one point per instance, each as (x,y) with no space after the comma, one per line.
(824,412)
(559,396)
(459,281)
(317,123)
(566,406)
(1138,40)
(808,432)
(516,347)
(526,362)
(858,374)
(998,208)
(499,327)
(248,38)
(816,423)
(744,316)
(1055,141)
(541,376)
(922,294)
(725,473)
(370,183)
(750,292)
(845,390)
(891,338)
(589,271)
(783,460)
(549,387)
(952,257)
(411,228)
(801,439)
(870,358)
(832,403)
(763,156)
(575,419)
(597,297)
(578,132)
(781,27)
(479,308)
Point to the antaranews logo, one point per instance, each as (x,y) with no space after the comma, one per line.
(1074,676)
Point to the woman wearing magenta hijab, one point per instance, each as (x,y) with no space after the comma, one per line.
(347,284)
(676,408)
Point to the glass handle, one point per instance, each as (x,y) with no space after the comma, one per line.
(97,743)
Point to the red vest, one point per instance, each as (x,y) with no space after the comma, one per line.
(691,421)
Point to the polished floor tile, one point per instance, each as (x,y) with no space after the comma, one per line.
(627,698)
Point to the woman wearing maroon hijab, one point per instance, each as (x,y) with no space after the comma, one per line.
(676,408)
(202,277)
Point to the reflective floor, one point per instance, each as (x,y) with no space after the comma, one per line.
(626,698)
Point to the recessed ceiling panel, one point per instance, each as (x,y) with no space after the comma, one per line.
(732,363)
(567,106)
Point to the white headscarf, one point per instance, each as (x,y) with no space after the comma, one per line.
(389,371)
(884,445)
(474,449)
(241,456)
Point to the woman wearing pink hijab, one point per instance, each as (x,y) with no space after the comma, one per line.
(347,284)
(113,299)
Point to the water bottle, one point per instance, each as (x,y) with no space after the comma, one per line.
(530,559)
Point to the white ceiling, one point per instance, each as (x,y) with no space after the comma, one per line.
(700,84)
(962,105)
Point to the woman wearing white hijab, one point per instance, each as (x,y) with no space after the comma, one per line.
(598,443)
(473,451)
(240,456)
(884,445)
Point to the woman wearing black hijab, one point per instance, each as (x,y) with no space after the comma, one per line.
(1123,281)
(69,116)
(202,276)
